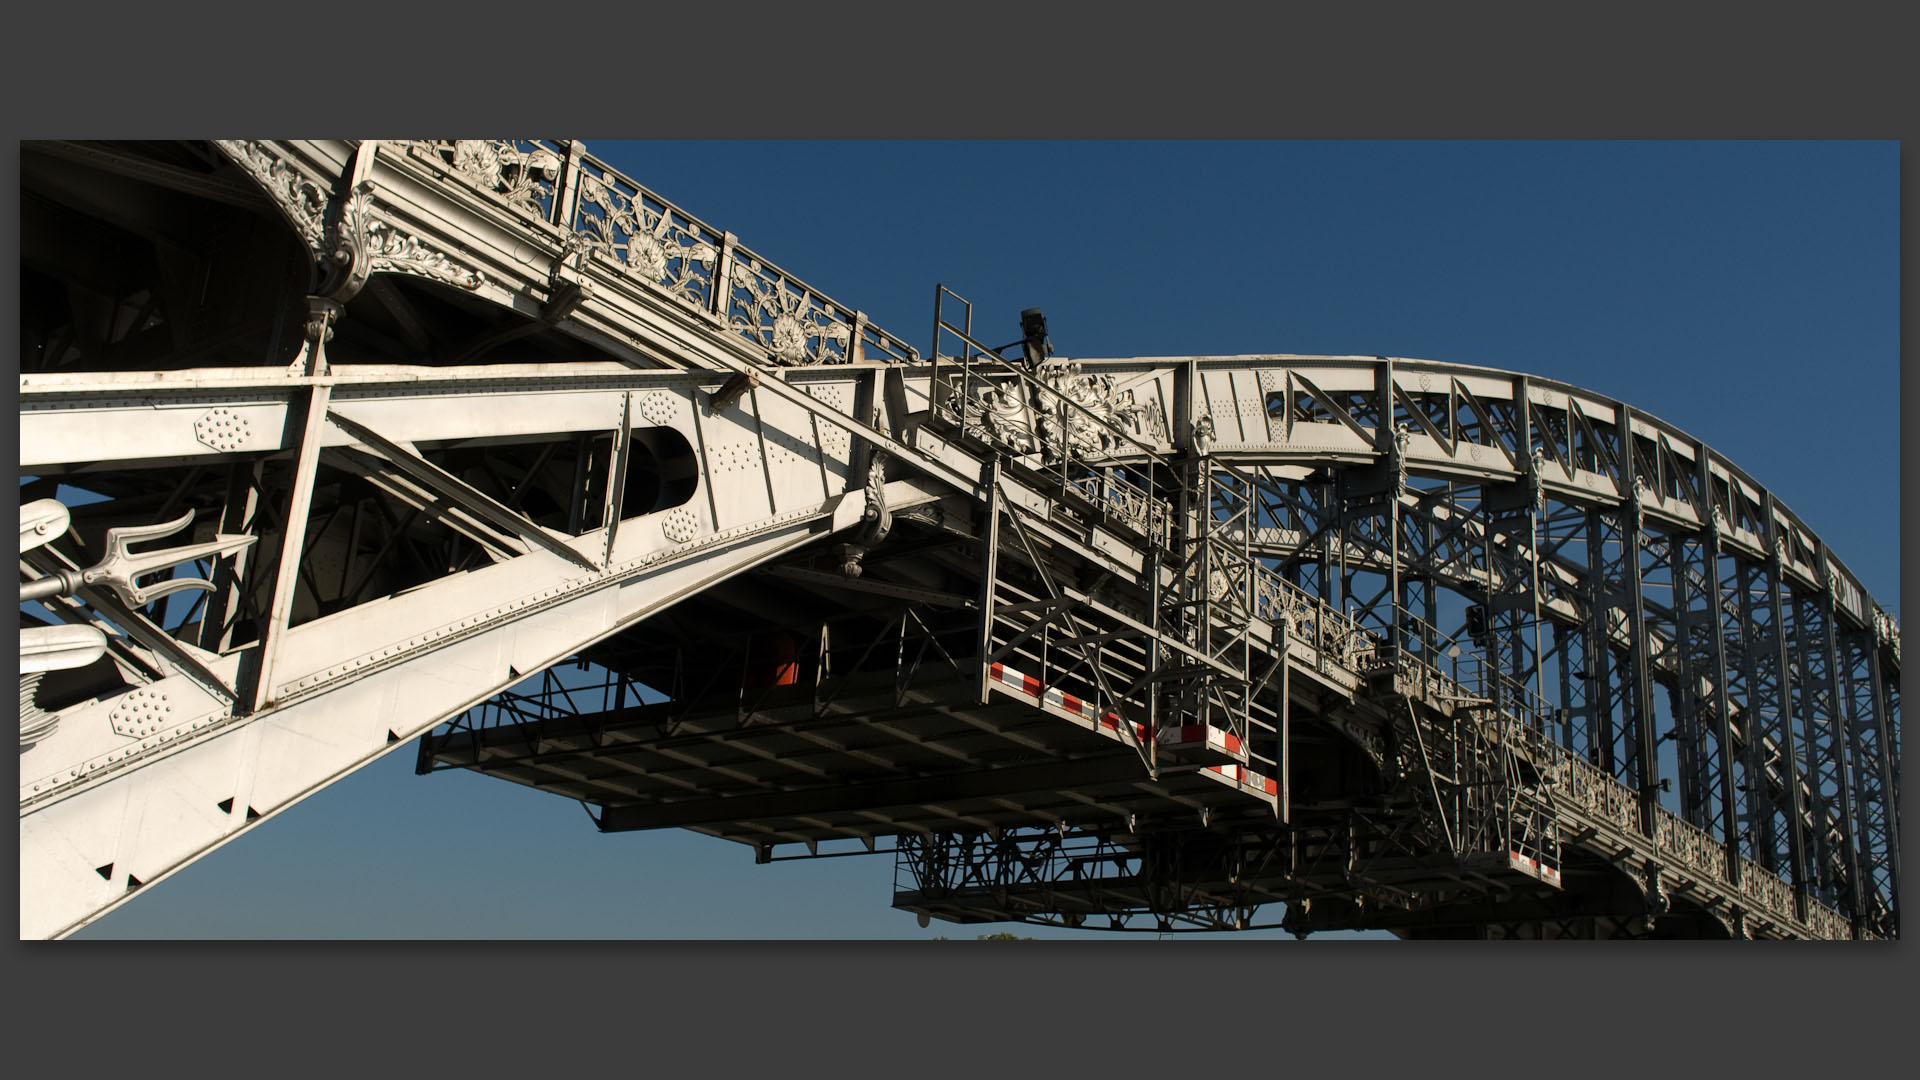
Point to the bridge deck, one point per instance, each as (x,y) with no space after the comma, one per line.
(850,758)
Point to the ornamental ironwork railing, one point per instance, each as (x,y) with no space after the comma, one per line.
(1689,845)
(1596,793)
(606,218)
(1773,894)
(1826,922)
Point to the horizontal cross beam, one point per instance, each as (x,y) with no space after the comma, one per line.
(917,791)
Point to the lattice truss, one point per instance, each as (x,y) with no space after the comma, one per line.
(483,443)
(1571,615)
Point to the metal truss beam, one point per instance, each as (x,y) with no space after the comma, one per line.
(1133,509)
(464,495)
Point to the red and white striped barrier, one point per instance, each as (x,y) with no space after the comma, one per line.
(1535,867)
(1047,695)
(1191,735)
(1188,737)
(1248,779)
(1203,737)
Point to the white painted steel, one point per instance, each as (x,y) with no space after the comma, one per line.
(356,685)
(128,791)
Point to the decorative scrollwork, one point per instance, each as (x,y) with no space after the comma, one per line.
(302,199)
(792,325)
(1599,794)
(521,171)
(1887,630)
(1104,415)
(35,723)
(653,244)
(1827,923)
(1122,500)
(1658,898)
(363,243)
(1067,413)
(392,249)
(1691,846)
(877,518)
(996,413)
(1203,436)
(1774,895)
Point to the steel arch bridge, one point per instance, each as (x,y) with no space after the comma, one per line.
(482,445)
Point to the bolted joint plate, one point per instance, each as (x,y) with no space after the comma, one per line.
(141,712)
(222,429)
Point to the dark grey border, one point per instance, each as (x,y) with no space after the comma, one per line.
(1372,71)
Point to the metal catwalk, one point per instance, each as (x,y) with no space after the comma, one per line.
(483,446)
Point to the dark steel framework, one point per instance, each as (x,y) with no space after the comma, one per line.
(1511,776)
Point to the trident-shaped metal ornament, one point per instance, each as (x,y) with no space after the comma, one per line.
(122,567)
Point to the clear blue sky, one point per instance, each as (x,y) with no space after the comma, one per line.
(1745,292)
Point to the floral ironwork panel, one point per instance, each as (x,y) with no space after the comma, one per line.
(1103,417)
(1601,795)
(996,411)
(620,221)
(790,322)
(1774,894)
(522,172)
(1118,498)
(1695,848)
(1827,922)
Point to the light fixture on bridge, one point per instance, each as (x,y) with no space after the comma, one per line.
(1477,624)
(1033,327)
(1033,337)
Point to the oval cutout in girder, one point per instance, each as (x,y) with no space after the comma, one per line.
(662,472)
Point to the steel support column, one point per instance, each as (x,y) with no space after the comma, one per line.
(1801,847)
(299,503)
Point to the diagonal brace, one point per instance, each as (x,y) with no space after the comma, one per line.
(463,494)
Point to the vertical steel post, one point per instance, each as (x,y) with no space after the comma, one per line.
(1716,663)
(1807,708)
(1800,847)
(1632,532)
(1759,724)
(1689,706)
(1286,721)
(1836,743)
(1886,740)
(1856,653)
(1529,460)
(239,515)
(1387,446)
(721,300)
(989,571)
(1596,635)
(299,503)
(566,199)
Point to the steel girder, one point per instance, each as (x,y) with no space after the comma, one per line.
(1551,505)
